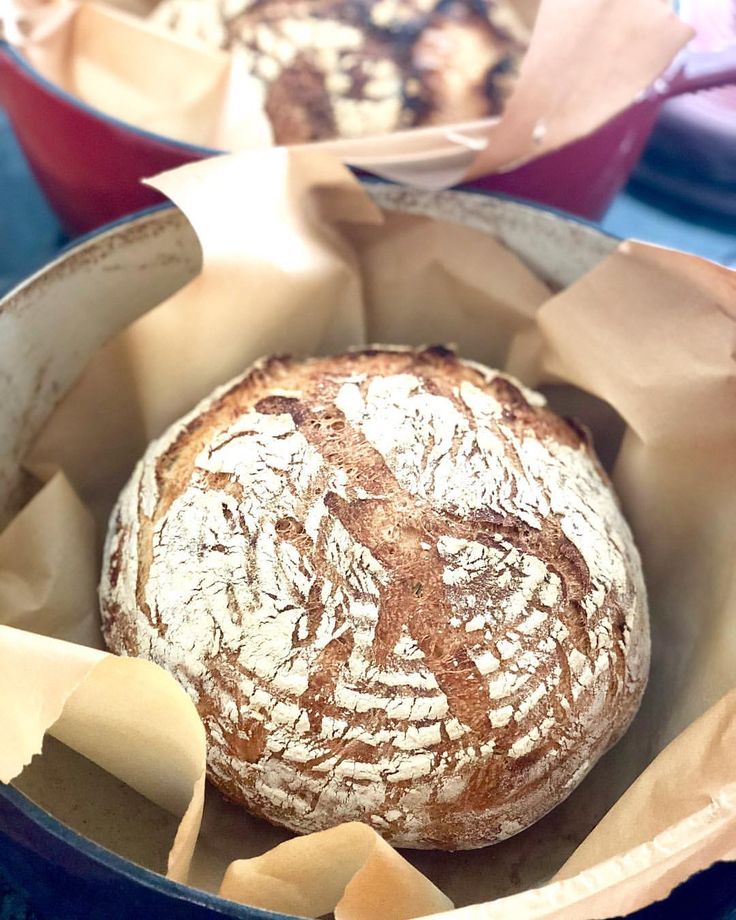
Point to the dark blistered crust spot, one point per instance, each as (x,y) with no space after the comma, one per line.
(305,88)
(443,352)
(497,80)
(277,405)
(298,106)
(509,395)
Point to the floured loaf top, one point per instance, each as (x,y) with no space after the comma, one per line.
(325,69)
(398,588)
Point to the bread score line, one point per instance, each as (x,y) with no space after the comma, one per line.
(397,587)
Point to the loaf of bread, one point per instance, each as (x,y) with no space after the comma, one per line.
(398,588)
(353,68)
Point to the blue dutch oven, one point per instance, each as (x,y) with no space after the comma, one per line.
(64,312)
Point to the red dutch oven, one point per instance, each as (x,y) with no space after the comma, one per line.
(90,165)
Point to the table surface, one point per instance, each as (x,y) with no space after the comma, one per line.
(30,236)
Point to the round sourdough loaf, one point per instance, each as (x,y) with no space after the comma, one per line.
(354,68)
(397,587)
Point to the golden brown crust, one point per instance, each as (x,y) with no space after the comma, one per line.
(353,68)
(397,587)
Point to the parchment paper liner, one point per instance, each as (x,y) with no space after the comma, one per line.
(586,62)
(296,258)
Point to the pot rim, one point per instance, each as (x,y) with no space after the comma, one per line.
(43,819)
(86,239)
(17,60)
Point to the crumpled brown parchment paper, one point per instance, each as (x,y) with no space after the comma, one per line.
(296,257)
(587,61)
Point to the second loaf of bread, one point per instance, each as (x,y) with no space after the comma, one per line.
(397,587)
(356,68)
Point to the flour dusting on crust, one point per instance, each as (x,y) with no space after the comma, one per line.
(358,68)
(397,587)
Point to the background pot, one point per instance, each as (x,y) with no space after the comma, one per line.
(90,164)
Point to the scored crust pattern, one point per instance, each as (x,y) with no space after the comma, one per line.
(398,589)
(354,68)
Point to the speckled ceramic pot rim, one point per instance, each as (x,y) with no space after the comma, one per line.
(559,247)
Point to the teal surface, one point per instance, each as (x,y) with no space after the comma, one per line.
(29,233)
(647,215)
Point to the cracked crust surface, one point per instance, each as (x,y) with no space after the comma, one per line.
(397,587)
(354,68)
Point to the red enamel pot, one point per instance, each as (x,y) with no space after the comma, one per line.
(90,165)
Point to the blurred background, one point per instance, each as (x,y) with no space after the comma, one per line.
(682,192)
